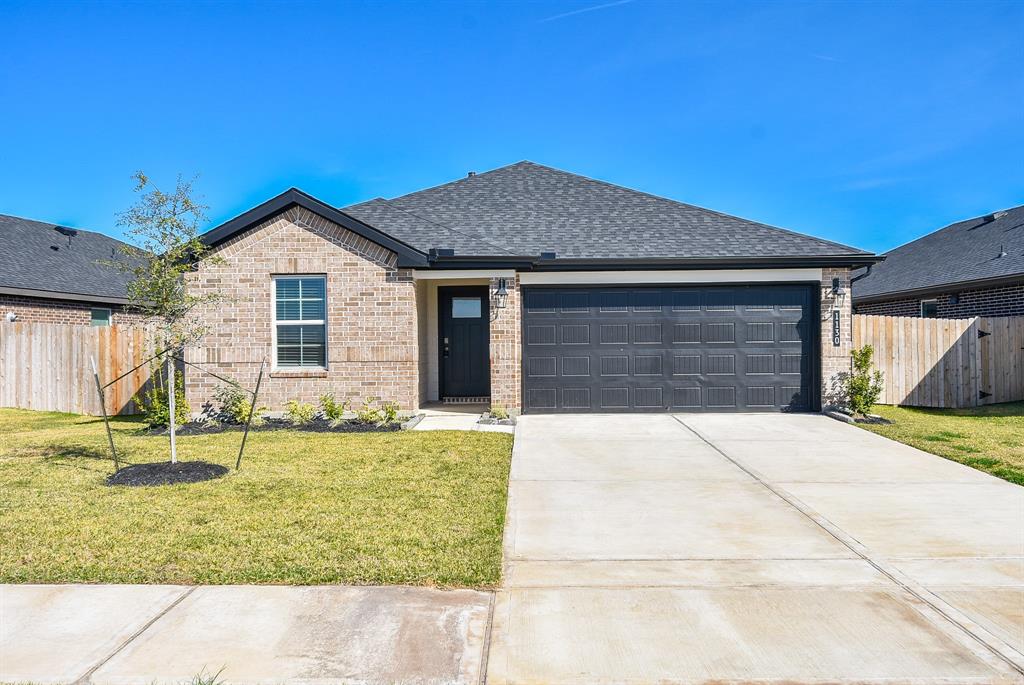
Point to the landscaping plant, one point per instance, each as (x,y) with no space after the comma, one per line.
(300,413)
(499,412)
(333,410)
(163,228)
(155,402)
(863,387)
(384,414)
(235,405)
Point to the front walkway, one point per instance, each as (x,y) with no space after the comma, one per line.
(734,548)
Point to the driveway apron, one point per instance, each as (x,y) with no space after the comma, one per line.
(775,548)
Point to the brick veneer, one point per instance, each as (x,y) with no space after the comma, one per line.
(372,342)
(835,360)
(39,310)
(506,350)
(1005,300)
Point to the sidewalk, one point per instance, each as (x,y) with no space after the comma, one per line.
(128,634)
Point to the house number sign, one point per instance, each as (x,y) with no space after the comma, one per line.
(836,337)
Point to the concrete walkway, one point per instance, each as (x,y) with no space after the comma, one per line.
(769,548)
(134,634)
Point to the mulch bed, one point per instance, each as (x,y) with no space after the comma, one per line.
(166,473)
(315,426)
(873,419)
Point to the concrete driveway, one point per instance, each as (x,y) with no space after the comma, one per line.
(738,548)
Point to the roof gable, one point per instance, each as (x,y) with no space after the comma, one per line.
(961,253)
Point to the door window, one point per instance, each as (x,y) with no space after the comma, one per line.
(465,307)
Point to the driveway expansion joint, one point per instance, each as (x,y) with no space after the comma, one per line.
(966,626)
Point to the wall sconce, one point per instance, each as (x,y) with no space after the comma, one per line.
(837,288)
(501,294)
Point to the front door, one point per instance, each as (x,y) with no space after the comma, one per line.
(464,343)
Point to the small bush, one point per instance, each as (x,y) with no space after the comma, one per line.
(499,412)
(333,410)
(384,414)
(235,405)
(863,388)
(154,401)
(300,413)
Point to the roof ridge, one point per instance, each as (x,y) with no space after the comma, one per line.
(440,225)
(461,180)
(950,225)
(52,224)
(662,198)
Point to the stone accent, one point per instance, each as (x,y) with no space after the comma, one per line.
(1005,300)
(372,341)
(835,360)
(40,310)
(506,349)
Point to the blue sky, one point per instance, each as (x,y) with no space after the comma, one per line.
(869,123)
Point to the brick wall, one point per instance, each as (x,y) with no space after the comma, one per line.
(506,350)
(39,310)
(372,342)
(1002,301)
(835,360)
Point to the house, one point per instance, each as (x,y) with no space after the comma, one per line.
(54,274)
(970,268)
(531,288)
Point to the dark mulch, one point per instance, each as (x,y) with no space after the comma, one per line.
(316,426)
(873,419)
(166,473)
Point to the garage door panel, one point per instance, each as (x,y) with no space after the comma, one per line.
(729,348)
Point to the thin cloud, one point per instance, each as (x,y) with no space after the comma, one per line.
(825,58)
(594,8)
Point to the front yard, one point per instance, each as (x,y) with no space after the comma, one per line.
(424,508)
(990,439)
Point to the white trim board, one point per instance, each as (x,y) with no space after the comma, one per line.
(695,276)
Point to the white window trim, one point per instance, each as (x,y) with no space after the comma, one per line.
(920,308)
(110,316)
(312,322)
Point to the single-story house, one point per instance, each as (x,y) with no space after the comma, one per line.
(54,274)
(970,268)
(531,288)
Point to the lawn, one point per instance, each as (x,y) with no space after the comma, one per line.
(990,438)
(423,508)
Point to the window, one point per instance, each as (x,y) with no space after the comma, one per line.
(930,309)
(100,317)
(300,312)
(465,307)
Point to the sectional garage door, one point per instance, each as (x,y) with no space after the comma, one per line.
(731,348)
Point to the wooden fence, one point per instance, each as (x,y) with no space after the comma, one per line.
(49,367)
(946,362)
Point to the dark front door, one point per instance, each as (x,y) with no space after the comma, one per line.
(464,344)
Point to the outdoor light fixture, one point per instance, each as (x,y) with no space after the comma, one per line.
(837,288)
(501,294)
(12,317)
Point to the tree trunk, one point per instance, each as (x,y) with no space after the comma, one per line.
(171,392)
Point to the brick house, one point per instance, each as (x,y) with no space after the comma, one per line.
(970,268)
(55,274)
(530,288)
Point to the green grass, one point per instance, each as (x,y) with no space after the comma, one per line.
(424,508)
(990,438)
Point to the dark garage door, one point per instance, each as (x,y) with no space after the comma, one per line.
(729,348)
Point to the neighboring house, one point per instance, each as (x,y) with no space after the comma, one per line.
(531,288)
(970,268)
(54,274)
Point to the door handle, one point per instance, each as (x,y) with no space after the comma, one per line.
(444,353)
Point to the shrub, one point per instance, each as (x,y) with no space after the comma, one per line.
(863,388)
(499,412)
(235,405)
(384,414)
(154,401)
(333,410)
(300,413)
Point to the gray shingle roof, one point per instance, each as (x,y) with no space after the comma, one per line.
(959,253)
(527,208)
(41,256)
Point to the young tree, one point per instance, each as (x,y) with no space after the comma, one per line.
(163,228)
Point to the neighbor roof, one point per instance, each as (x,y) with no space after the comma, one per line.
(42,259)
(959,254)
(527,208)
